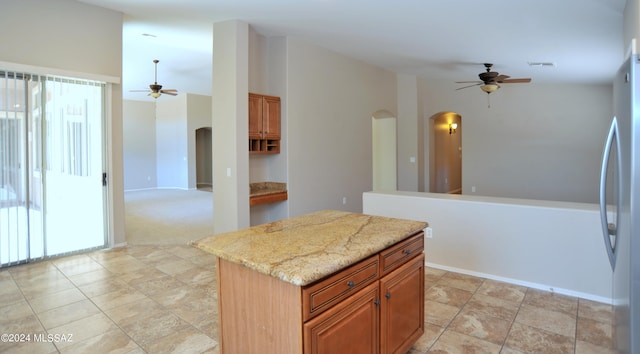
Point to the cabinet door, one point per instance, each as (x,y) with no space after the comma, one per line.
(402,307)
(349,327)
(271,117)
(255,116)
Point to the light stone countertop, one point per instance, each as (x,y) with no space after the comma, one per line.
(307,248)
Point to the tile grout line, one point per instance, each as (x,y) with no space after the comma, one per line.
(128,285)
(457,313)
(24,297)
(96,305)
(575,335)
(513,321)
(155,301)
(445,328)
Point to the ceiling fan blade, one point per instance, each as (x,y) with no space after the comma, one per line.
(169,90)
(501,78)
(516,81)
(169,93)
(464,87)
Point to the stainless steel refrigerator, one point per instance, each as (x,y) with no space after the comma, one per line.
(620,205)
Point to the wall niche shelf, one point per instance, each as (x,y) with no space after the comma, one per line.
(264,146)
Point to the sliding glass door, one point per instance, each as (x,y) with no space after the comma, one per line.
(14,208)
(52,198)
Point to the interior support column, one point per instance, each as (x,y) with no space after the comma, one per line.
(230,131)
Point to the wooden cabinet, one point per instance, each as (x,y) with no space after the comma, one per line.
(352,326)
(373,306)
(264,123)
(402,307)
(397,300)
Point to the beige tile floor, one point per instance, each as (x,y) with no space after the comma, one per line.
(163,299)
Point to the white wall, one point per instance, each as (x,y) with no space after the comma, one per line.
(73,36)
(329,104)
(139,144)
(539,244)
(537,141)
(408,133)
(172,159)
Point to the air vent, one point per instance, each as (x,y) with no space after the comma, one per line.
(541,64)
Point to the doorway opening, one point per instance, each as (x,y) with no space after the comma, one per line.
(384,151)
(204,179)
(445,157)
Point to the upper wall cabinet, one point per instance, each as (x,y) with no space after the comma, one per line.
(264,124)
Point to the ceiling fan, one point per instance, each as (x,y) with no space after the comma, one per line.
(156,89)
(489,80)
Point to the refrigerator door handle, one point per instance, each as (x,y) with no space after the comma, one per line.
(609,228)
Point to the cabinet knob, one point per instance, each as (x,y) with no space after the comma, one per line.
(376,302)
(407,252)
(387,295)
(351,283)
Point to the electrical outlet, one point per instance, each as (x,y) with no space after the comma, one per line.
(428,232)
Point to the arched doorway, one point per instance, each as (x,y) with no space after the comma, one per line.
(203,158)
(384,151)
(445,158)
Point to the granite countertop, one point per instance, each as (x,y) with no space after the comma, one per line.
(307,248)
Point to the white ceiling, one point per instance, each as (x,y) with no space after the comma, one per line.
(445,39)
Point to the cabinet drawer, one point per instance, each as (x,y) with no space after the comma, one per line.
(321,296)
(395,256)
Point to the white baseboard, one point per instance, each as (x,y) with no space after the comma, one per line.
(523,283)
(140,189)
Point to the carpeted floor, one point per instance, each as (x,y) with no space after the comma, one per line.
(167,216)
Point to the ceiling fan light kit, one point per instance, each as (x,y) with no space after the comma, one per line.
(156,89)
(489,80)
(488,88)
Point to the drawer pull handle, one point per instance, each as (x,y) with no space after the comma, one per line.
(407,252)
(351,283)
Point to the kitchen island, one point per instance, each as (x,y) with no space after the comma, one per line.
(326,282)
